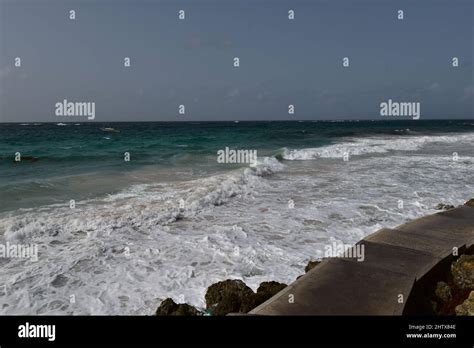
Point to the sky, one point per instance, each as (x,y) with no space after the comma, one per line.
(191,61)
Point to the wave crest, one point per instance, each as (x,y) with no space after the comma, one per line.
(362,146)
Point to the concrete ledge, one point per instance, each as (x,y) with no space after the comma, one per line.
(419,240)
(337,287)
(394,260)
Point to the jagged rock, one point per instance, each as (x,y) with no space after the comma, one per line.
(470,203)
(463,272)
(229,296)
(467,307)
(442,206)
(311,265)
(169,307)
(443,291)
(267,290)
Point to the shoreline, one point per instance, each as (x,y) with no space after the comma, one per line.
(233,296)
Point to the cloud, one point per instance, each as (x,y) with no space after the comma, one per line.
(5,71)
(417,92)
(8,70)
(263,95)
(233,93)
(433,86)
(217,43)
(468,92)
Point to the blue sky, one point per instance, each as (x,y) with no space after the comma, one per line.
(190,62)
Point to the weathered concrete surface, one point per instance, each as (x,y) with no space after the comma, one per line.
(398,259)
(394,260)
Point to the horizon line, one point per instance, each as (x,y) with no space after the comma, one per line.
(243,121)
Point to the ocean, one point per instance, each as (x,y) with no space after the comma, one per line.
(172,220)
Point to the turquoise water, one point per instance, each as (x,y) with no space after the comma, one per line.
(83,161)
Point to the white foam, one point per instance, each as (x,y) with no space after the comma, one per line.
(363,146)
(82,244)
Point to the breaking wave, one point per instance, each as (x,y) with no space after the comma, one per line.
(363,146)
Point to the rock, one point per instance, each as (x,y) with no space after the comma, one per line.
(267,290)
(467,307)
(169,307)
(311,265)
(27,158)
(463,272)
(229,296)
(443,292)
(59,281)
(470,203)
(442,206)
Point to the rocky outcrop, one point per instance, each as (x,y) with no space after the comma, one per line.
(442,206)
(169,307)
(311,265)
(470,203)
(463,272)
(234,296)
(467,307)
(229,296)
(443,292)
(267,290)
(451,295)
